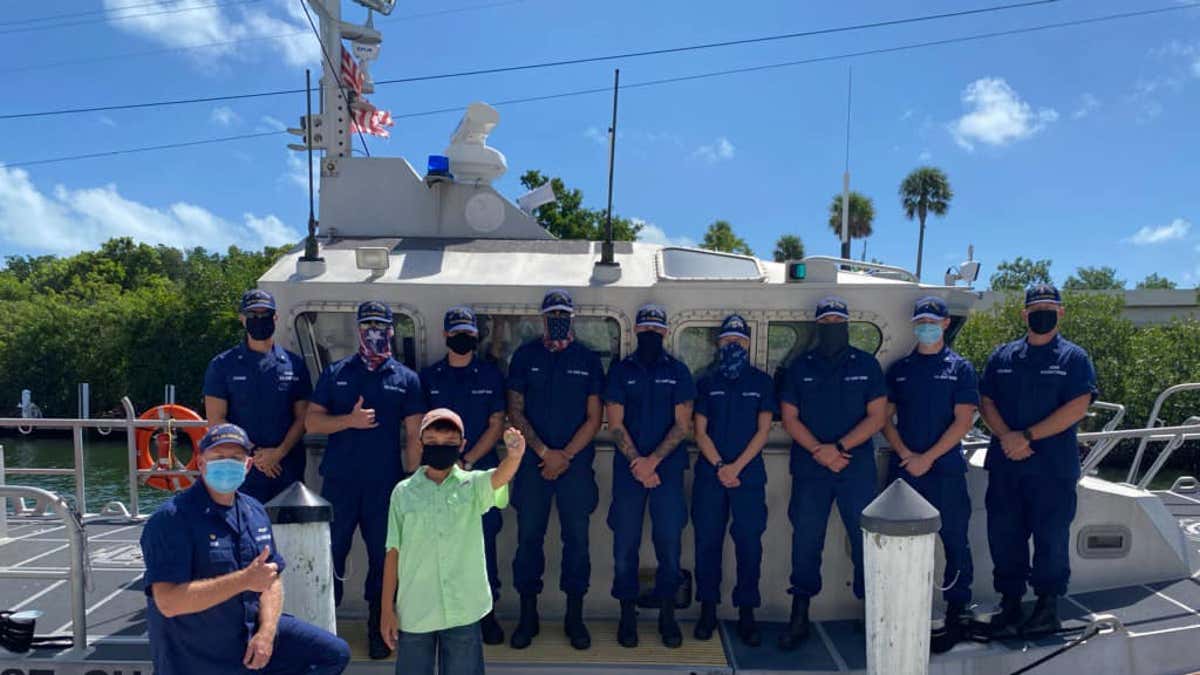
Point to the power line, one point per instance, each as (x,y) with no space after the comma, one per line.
(84,13)
(671,80)
(125,17)
(148,148)
(551,64)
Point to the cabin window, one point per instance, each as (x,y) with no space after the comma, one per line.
(788,339)
(1103,541)
(501,334)
(685,263)
(328,336)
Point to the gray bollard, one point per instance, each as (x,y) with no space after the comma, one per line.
(898,532)
(300,519)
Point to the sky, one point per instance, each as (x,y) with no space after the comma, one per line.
(1076,144)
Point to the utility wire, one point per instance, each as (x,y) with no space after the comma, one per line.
(672,80)
(125,17)
(148,148)
(336,73)
(550,64)
(68,15)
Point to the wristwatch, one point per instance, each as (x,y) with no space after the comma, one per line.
(1028,435)
(719,464)
(841,448)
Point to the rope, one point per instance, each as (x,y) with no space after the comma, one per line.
(1091,631)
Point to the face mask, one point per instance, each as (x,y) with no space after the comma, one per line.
(462,343)
(732,359)
(928,333)
(224,475)
(833,338)
(260,327)
(439,457)
(558,327)
(1043,321)
(650,346)
(375,346)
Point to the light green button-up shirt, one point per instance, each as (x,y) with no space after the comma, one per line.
(442,573)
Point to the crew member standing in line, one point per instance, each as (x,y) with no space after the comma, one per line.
(554,387)
(1034,393)
(834,400)
(649,409)
(933,394)
(474,389)
(734,408)
(370,405)
(264,389)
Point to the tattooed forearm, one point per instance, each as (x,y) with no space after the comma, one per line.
(621,438)
(516,413)
(678,432)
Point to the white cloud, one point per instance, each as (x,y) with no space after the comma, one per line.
(1088,103)
(925,156)
(268,123)
(203,22)
(719,150)
(596,136)
(996,115)
(297,172)
(106,121)
(224,116)
(907,115)
(1150,234)
(653,234)
(70,220)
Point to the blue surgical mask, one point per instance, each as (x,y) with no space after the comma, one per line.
(224,475)
(732,359)
(928,333)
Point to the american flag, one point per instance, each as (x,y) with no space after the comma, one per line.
(364,117)
(352,77)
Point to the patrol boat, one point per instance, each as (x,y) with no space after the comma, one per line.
(424,242)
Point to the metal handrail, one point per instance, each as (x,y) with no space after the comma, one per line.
(1166,453)
(1103,447)
(75,540)
(1153,420)
(889,269)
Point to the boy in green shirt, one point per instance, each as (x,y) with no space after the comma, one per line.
(435,567)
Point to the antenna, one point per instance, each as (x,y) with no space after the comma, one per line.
(846,173)
(606,249)
(311,253)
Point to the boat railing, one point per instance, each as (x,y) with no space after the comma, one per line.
(872,268)
(1154,421)
(130,424)
(76,573)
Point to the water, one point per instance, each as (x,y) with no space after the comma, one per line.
(106,468)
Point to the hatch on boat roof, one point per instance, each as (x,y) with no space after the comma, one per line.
(680,264)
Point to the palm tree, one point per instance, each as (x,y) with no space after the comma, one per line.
(788,247)
(862,214)
(926,190)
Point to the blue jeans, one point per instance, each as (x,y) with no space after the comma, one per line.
(303,648)
(455,651)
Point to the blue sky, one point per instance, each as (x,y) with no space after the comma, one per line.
(1075,144)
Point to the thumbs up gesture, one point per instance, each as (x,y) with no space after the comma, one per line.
(360,417)
(260,574)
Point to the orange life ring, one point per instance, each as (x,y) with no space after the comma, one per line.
(163,438)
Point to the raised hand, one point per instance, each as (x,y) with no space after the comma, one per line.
(360,417)
(514,443)
(260,574)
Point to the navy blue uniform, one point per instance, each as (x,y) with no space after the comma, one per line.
(191,537)
(649,396)
(731,408)
(475,392)
(361,466)
(1035,496)
(832,397)
(260,391)
(556,386)
(925,388)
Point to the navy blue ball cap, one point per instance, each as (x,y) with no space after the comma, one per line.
(832,305)
(460,319)
(1042,293)
(652,316)
(931,307)
(373,310)
(223,434)
(256,299)
(557,300)
(734,324)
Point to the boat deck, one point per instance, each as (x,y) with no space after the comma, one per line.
(117,634)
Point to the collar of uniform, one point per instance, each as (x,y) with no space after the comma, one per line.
(663,359)
(277,352)
(941,353)
(850,354)
(444,364)
(390,364)
(203,503)
(1053,344)
(457,474)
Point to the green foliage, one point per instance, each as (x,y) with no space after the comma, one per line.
(567,218)
(788,247)
(1154,281)
(127,318)
(862,215)
(1094,279)
(1020,274)
(926,190)
(721,237)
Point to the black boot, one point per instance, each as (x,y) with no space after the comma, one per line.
(527,626)
(797,628)
(668,628)
(576,632)
(707,623)
(627,628)
(376,647)
(493,634)
(747,627)
(1007,623)
(952,632)
(1044,619)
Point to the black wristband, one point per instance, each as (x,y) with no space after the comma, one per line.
(841,448)
(719,464)
(1028,435)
